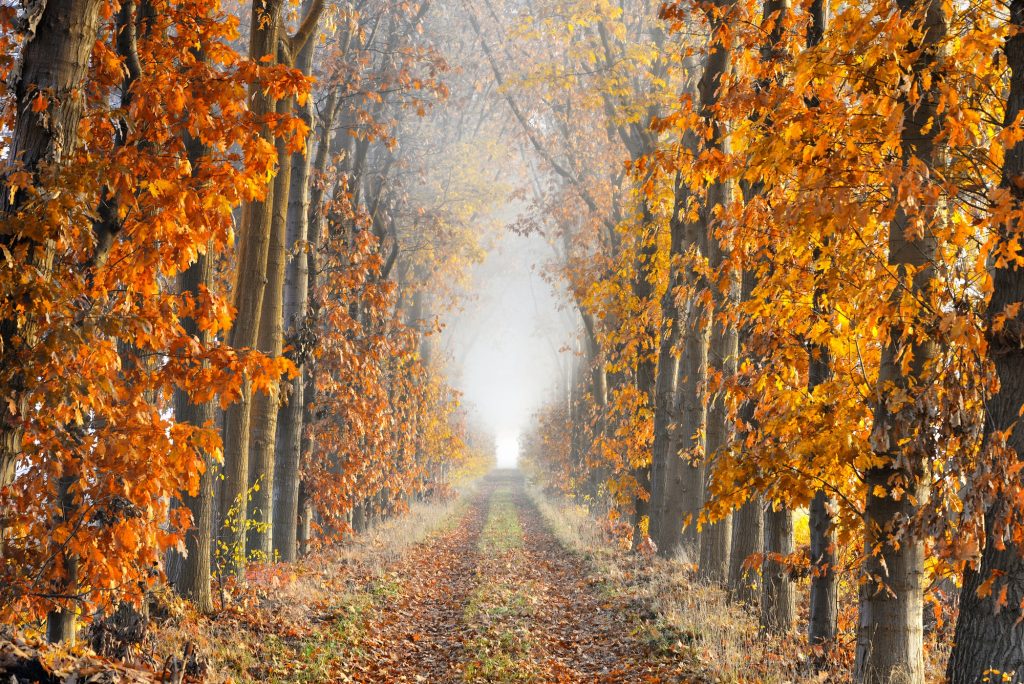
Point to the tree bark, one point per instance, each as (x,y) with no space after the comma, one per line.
(716,539)
(54,62)
(824,608)
(192,579)
(290,419)
(61,621)
(250,285)
(266,405)
(684,478)
(990,637)
(890,634)
(664,448)
(747,539)
(778,597)
(646,365)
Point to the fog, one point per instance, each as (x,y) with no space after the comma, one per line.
(510,343)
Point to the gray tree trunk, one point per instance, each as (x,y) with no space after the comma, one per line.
(747,539)
(824,606)
(990,637)
(265,405)
(290,420)
(778,596)
(250,284)
(192,578)
(664,448)
(890,634)
(716,539)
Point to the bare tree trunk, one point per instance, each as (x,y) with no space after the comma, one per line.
(716,539)
(296,304)
(824,607)
(989,637)
(192,579)
(684,479)
(778,598)
(748,522)
(61,621)
(684,476)
(666,404)
(646,367)
(250,285)
(271,342)
(747,539)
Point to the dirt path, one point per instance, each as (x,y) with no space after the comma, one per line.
(495,598)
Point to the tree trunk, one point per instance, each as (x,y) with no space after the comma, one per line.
(646,367)
(716,539)
(666,391)
(286,510)
(748,522)
(989,636)
(192,579)
(778,597)
(684,483)
(824,606)
(54,62)
(890,634)
(250,285)
(747,539)
(61,621)
(265,405)
(684,478)
(824,609)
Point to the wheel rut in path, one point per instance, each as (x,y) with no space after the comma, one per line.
(497,599)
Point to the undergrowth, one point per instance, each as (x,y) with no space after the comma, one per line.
(306,621)
(719,640)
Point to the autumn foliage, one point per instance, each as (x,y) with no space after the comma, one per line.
(132,170)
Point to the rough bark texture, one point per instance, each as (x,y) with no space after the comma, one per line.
(890,634)
(192,576)
(666,409)
(716,538)
(646,368)
(824,608)
(990,637)
(250,285)
(684,478)
(265,406)
(778,597)
(286,505)
(55,56)
(61,621)
(747,539)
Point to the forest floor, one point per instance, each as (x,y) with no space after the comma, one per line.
(481,590)
(497,598)
(500,584)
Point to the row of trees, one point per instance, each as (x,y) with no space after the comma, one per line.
(790,230)
(221,274)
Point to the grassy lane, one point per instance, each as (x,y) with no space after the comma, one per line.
(493,597)
(500,611)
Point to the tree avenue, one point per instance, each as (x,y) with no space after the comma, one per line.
(238,241)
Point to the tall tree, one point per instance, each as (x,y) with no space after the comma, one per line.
(890,639)
(989,640)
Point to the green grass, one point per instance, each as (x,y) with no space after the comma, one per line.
(502,532)
(501,610)
(498,657)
